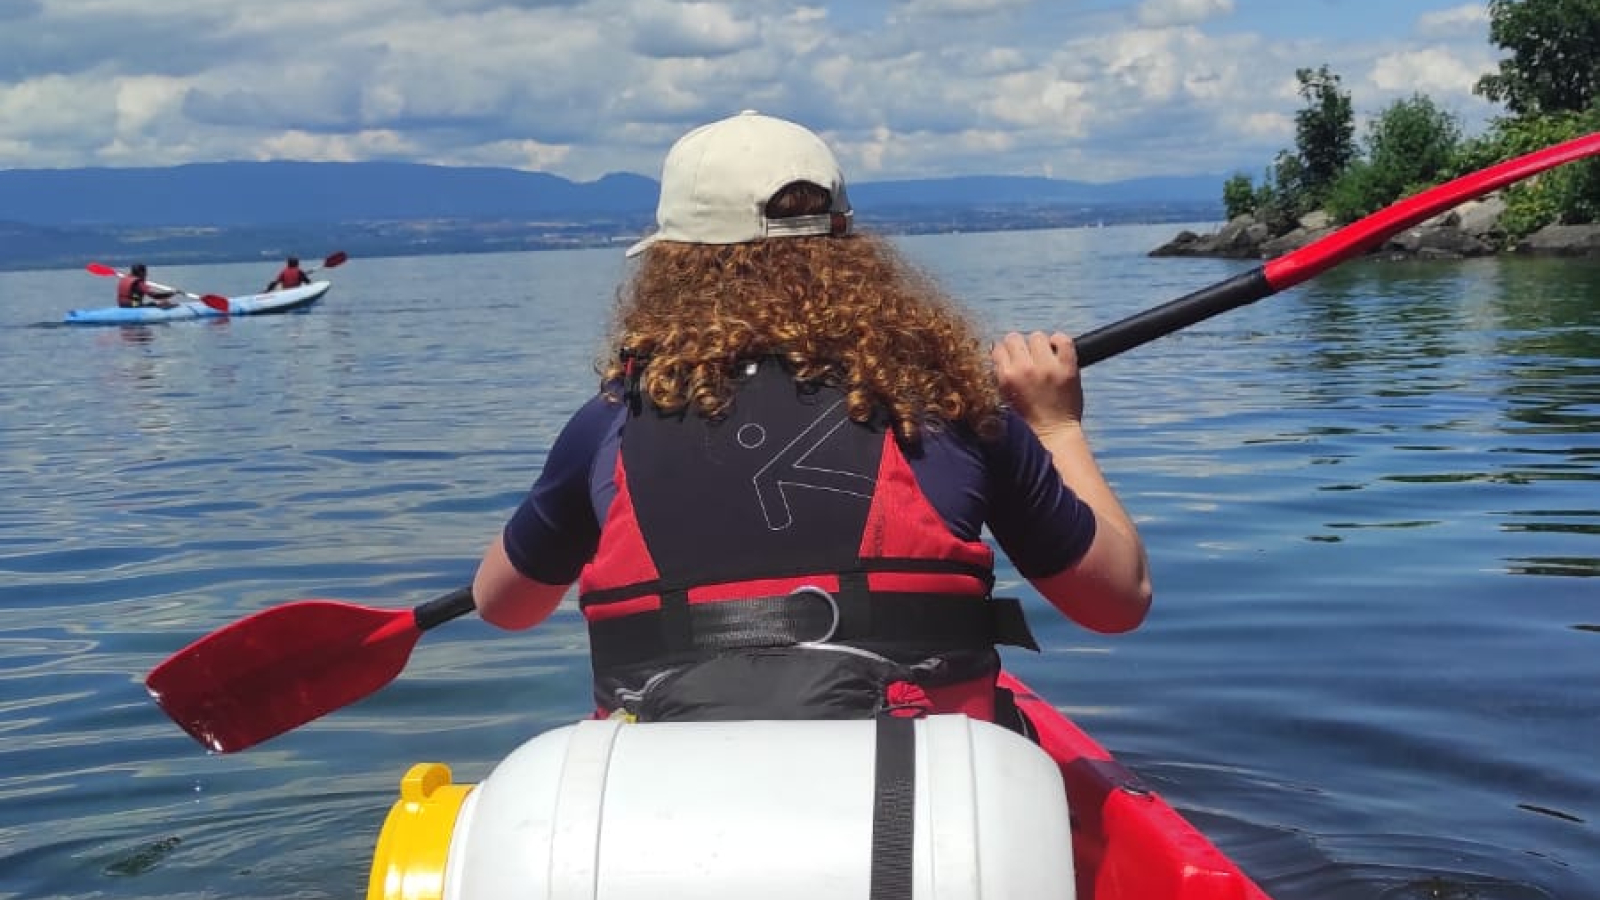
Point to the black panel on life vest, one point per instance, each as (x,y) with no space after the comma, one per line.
(781,485)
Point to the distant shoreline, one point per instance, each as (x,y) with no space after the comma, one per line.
(29,247)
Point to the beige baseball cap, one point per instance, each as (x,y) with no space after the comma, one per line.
(718,178)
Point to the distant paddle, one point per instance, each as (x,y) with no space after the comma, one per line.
(334,261)
(283,667)
(210,300)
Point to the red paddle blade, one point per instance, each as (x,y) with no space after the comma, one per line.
(281,668)
(99,269)
(217,302)
(335,260)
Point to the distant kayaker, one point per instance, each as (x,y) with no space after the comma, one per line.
(775,505)
(291,276)
(133,290)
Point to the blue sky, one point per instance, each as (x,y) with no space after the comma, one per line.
(1092,90)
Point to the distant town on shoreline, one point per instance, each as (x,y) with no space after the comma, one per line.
(236,212)
(32,247)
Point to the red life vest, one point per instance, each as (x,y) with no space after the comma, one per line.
(782,522)
(126,295)
(291,277)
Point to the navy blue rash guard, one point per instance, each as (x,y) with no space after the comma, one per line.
(1010,484)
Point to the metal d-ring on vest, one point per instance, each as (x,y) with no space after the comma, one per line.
(833,608)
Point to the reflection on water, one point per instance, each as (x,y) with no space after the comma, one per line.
(1350,680)
(135,334)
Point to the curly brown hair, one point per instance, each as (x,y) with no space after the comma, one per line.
(848,311)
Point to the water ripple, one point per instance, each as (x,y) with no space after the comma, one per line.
(1370,504)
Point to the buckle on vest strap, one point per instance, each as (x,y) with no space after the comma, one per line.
(833,608)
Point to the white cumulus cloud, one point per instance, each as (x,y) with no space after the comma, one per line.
(1469,20)
(1172,13)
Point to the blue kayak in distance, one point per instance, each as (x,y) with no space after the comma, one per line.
(248,305)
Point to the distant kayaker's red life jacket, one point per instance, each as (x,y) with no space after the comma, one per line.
(291,277)
(720,531)
(126,295)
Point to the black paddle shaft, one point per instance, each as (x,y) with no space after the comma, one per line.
(1142,328)
(440,610)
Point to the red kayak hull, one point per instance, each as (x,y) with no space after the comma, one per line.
(1128,843)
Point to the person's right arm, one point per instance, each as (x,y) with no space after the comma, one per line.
(507,598)
(143,290)
(528,567)
(1108,587)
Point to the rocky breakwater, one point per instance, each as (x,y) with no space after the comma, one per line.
(1471,229)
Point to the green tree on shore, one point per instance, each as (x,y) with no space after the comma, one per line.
(1299,181)
(1554,66)
(1324,133)
(1410,146)
(1549,82)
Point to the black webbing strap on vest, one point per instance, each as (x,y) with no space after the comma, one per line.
(682,631)
(894,789)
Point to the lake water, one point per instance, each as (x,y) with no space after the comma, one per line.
(1372,505)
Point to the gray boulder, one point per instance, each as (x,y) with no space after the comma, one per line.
(1562,240)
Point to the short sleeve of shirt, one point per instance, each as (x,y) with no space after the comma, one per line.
(1040,524)
(554,531)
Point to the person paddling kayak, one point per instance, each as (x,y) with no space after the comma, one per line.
(133,290)
(774,506)
(290,276)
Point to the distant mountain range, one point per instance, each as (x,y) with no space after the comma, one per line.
(246,210)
